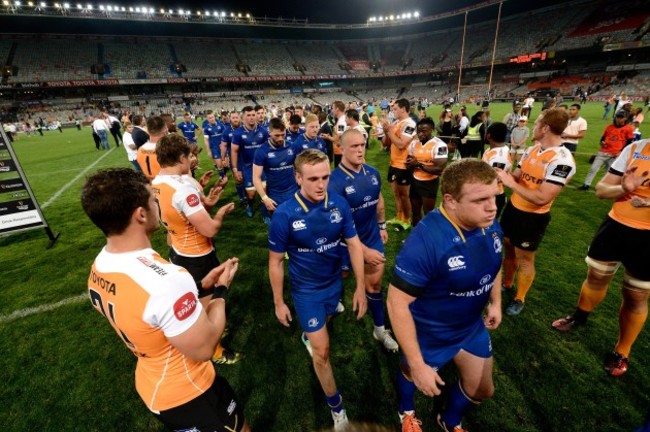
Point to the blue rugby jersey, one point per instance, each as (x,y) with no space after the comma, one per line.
(361,191)
(291,137)
(214,132)
(188,130)
(311,234)
(451,273)
(278,167)
(303,143)
(248,142)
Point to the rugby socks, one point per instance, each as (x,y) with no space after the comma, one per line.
(240,191)
(590,297)
(376,306)
(406,391)
(335,402)
(524,282)
(630,325)
(250,202)
(220,171)
(457,405)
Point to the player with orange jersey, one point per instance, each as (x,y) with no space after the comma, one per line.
(622,238)
(498,156)
(185,216)
(157,128)
(398,136)
(427,158)
(543,171)
(153,307)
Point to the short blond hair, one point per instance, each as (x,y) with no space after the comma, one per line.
(309,157)
(311,118)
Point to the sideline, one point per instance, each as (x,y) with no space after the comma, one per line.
(71,182)
(22,313)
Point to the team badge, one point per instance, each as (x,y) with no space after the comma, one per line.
(335,217)
(374,180)
(498,245)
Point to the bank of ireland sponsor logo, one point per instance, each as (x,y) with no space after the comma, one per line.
(485,279)
(299,225)
(456,263)
(321,241)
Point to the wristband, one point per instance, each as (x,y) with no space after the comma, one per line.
(265,197)
(220,292)
(382,225)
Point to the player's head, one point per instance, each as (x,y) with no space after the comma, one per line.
(172,150)
(312,169)
(338,108)
(224,116)
(353,146)
(316,109)
(260,115)
(312,126)
(156,127)
(425,129)
(552,121)
(469,189)
(128,126)
(211,118)
(235,119)
(352,117)
(401,108)
(115,198)
(574,110)
(187,117)
(298,111)
(516,107)
(496,133)
(248,116)
(294,122)
(276,132)
(138,120)
(620,118)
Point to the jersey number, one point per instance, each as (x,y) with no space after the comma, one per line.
(98,302)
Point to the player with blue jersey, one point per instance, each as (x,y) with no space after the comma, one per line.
(360,185)
(294,130)
(445,276)
(275,161)
(309,228)
(310,138)
(245,141)
(188,128)
(260,116)
(212,133)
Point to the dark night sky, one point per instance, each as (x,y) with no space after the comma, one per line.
(339,11)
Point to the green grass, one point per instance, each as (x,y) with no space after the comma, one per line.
(66,370)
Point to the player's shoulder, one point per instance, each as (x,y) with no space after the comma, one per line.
(371,170)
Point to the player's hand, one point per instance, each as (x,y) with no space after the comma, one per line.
(238,176)
(230,267)
(226,162)
(270,204)
(383,234)
(631,180)
(205,178)
(427,380)
(283,314)
(360,302)
(228,208)
(506,178)
(213,196)
(373,257)
(493,316)
(639,202)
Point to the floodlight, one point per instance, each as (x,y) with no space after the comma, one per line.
(232,15)
(223,14)
(30,3)
(66,5)
(150,10)
(101,7)
(180,11)
(408,15)
(198,12)
(57,5)
(43,4)
(239,15)
(391,17)
(123,9)
(248,15)
(110,8)
(5,3)
(416,14)
(381,18)
(17,3)
(170,11)
(137,9)
(79,6)
(89,6)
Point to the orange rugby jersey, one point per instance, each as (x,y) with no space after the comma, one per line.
(179,198)
(426,154)
(405,127)
(636,154)
(555,165)
(499,157)
(146,300)
(148,160)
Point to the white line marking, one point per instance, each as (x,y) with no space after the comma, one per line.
(71,182)
(22,313)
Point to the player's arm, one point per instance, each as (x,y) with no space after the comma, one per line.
(276,277)
(234,158)
(359,302)
(224,152)
(200,340)
(210,226)
(206,142)
(381,218)
(259,187)
(614,186)
(493,315)
(546,193)
(399,142)
(424,376)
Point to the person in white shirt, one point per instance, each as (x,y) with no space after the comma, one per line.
(575,130)
(129,146)
(101,128)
